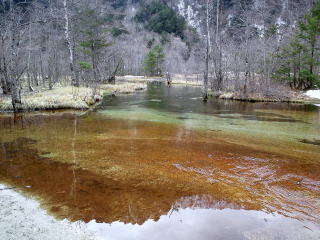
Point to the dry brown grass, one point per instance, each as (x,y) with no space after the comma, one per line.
(189,80)
(67,97)
(289,96)
(123,87)
(179,79)
(57,98)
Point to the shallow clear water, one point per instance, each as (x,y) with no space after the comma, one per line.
(162,164)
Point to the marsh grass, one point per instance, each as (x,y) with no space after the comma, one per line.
(176,79)
(286,96)
(57,98)
(68,97)
(123,87)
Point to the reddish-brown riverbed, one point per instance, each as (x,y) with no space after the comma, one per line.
(147,156)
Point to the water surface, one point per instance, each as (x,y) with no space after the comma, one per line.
(162,164)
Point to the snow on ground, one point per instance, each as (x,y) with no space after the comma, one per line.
(22,218)
(313,93)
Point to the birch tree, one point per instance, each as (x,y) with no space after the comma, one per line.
(218,55)
(207,54)
(74,78)
(15,67)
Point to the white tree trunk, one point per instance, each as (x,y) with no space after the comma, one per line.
(219,50)
(70,49)
(206,72)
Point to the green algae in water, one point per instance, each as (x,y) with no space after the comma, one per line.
(234,124)
(131,148)
(270,126)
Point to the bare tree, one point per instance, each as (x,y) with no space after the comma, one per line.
(206,71)
(75,79)
(15,67)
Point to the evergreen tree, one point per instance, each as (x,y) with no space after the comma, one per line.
(160,18)
(93,41)
(154,60)
(300,59)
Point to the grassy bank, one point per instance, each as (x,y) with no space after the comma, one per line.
(281,95)
(57,98)
(176,79)
(83,98)
(288,96)
(122,88)
(67,97)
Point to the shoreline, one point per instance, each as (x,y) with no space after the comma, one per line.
(177,79)
(68,98)
(85,98)
(299,98)
(23,218)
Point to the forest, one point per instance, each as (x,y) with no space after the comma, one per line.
(241,47)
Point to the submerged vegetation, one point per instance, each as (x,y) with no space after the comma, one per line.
(161,155)
(180,152)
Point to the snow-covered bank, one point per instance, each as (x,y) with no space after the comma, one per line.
(22,218)
(313,93)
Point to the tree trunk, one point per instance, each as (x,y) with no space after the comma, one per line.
(15,96)
(41,71)
(28,64)
(218,44)
(206,71)
(3,83)
(74,78)
(14,76)
(310,80)
(94,68)
(3,77)
(35,74)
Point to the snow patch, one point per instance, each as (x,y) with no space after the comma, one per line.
(181,7)
(22,218)
(189,14)
(313,93)
(229,19)
(280,22)
(260,29)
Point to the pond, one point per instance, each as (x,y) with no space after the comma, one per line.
(161,164)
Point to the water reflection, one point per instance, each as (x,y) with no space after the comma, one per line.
(114,170)
(144,162)
(194,224)
(185,99)
(78,194)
